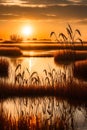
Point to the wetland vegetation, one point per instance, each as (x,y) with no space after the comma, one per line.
(46,88)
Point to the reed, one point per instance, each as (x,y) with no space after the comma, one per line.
(9,51)
(69,91)
(4,67)
(33,122)
(55,114)
(71,37)
(80,70)
(53,83)
(67,56)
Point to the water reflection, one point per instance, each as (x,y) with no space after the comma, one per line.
(46,112)
(40,113)
(42,70)
(22,68)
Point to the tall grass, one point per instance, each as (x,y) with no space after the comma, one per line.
(49,78)
(72,90)
(53,83)
(55,114)
(4,67)
(33,122)
(72,36)
(69,56)
(9,51)
(80,70)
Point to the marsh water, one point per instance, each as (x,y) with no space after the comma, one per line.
(48,110)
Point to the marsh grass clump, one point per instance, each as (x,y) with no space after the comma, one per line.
(46,113)
(33,122)
(49,77)
(80,70)
(70,91)
(65,56)
(20,77)
(9,51)
(4,68)
(68,56)
(53,83)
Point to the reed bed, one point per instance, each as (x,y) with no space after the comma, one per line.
(34,86)
(53,83)
(80,70)
(55,114)
(71,91)
(31,123)
(28,123)
(35,121)
(70,56)
(4,67)
(9,51)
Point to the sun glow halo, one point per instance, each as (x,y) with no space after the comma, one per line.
(27,30)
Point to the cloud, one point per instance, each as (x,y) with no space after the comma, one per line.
(47,9)
(35,2)
(83,21)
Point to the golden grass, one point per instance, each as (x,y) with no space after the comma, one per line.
(58,115)
(33,122)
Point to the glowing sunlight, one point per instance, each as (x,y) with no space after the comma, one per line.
(27,30)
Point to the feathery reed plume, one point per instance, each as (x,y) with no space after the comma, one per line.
(72,34)
(53,33)
(63,36)
(69,26)
(78,31)
(18,66)
(69,35)
(79,39)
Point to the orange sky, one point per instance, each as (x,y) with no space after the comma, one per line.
(43,16)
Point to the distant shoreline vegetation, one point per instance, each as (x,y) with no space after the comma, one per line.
(9,51)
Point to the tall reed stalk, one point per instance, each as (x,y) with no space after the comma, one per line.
(72,37)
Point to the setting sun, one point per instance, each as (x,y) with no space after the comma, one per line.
(27,30)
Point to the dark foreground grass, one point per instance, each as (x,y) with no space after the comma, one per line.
(62,121)
(55,114)
(33,122)
(71,91)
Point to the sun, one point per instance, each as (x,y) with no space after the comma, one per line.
(27,30)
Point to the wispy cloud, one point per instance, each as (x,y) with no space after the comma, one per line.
(47,9)
(40,2)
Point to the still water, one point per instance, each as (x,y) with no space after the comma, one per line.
(28,65)
(49,111)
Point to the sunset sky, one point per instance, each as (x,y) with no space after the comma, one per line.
(43,16)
